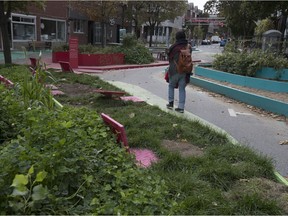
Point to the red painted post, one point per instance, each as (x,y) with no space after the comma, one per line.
(73,52)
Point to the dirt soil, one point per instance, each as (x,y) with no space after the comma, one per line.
(75,89)
(185,149)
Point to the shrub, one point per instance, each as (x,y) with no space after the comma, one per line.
(247,63)
(67,162)
(61,48)
(138,54)
(129,41)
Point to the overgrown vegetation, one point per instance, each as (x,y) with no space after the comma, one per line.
(67,161)
(135,52)
(247,62)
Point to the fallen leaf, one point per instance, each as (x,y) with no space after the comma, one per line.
(285,142)
(131,115)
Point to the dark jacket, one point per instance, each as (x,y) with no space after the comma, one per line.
(173,55)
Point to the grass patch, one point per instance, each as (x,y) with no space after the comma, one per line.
(224,180)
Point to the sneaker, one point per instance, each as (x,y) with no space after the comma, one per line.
(179,110)
(170,105)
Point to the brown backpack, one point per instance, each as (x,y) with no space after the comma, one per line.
(184,64)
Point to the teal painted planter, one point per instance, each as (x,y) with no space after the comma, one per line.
(246,97)
(252,82)
(271,73)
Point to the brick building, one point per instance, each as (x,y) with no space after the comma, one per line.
(54,25)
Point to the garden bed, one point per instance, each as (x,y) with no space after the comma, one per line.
(91,59)
(246,81)
(224,83)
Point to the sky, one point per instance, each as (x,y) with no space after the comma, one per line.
(199,3)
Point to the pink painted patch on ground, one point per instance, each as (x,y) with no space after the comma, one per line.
(144,157)
(57,92)
(131,98)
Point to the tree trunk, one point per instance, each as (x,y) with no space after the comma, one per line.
(151,31)
(6,43)
(282,30)
(5,35)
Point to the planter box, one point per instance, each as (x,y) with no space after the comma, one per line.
(271,73)
(91,59)
(252,82)
(60,56)
(101,59)
(265,103)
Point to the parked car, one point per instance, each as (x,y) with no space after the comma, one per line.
(223,42)
(215,39)
(206,42)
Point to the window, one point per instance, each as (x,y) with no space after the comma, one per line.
(98,33)
(52,30)
(23,27)
(78,26)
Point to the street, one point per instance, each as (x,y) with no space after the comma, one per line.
(259,132)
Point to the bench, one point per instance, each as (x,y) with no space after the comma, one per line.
(108,93)
(161,53)
(162,56)
(65,67)
(6,81)
(33,62)
(144,157)
(36,45)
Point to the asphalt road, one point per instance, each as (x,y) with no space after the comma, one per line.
(261,133)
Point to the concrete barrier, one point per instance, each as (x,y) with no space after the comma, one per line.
(252,82)
(246,97)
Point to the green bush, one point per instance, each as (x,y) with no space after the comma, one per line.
(85,171)
(68,162)
(138,54)
(247,63)
(61,48)
(129,40)
(11,113)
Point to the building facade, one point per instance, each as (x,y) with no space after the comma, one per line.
(55,25)
(59,21)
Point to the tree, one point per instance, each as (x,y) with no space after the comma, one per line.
(263,26)
(241,16)
(155,12)
(134,9)
(5,12)
(98,11)
(198,34)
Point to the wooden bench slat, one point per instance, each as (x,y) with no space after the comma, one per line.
(108,93)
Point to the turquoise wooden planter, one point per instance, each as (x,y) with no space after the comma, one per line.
(271,73)
(265,103)
(252,82)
